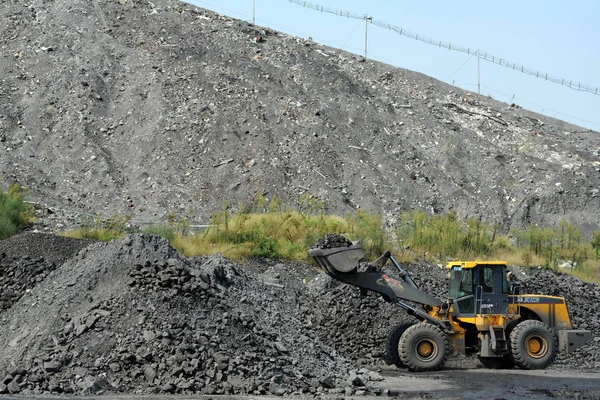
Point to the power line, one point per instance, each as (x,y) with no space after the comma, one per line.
(352,34)
(457,69)
(230,12)
(344,46)
(520,100)
(300,34)
(446,45)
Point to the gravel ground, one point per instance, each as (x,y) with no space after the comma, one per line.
(134,317)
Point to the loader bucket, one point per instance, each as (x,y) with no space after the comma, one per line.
(339,259)
(341,263)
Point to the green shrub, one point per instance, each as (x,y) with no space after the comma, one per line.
(438,237)
(15,213)
(368,229)
(266,248)
(595,243)
(263,229)
(165,231)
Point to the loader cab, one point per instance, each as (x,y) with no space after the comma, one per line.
(478,287)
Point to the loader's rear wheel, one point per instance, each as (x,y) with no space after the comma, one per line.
(393,343)
(424,347)
(533,345)
(504,362)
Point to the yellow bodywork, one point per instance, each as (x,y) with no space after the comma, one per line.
(473,264)
(551,310)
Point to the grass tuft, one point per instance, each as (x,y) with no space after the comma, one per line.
(15,212)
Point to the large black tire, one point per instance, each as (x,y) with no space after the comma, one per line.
(504,362)
(424,347)
(393,342)
(533,345)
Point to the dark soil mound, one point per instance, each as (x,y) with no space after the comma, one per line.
(26,259)
(132,316)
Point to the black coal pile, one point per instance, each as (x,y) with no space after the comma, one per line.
(27,259)
(133,316)
(330,241)
(32,245)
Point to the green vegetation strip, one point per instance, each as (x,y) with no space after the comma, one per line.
(266,229)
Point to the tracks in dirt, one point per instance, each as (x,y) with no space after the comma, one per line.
(492,384)
(473,384)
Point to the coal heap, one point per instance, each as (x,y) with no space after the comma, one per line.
(133,316)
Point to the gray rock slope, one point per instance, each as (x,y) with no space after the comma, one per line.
(156,107)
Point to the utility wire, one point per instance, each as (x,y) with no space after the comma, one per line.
(357,16)
(457,69)
(441,44)
(216,7)
(352,34)
(520,100)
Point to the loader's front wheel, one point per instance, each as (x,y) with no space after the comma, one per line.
(424,347)
(393,343)
(533,345)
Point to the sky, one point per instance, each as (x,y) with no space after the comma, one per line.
(556,37)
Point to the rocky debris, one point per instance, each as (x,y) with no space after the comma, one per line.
(52,248)
(28,258)
(331,241)
(19,275)
(230,113)
(133,316)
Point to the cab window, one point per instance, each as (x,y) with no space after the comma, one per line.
(505,283)
(486,279)
(461,282)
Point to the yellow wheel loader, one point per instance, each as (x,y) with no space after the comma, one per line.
(485,314)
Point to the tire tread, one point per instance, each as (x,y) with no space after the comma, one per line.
(519,353)
(406,352)
(393,341)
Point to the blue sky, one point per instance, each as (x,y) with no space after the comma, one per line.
(561,38)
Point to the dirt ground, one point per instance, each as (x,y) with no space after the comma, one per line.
(447,384)
(494,384)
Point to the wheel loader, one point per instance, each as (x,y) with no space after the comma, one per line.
(485,314)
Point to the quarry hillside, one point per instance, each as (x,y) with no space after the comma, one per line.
(154,107)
